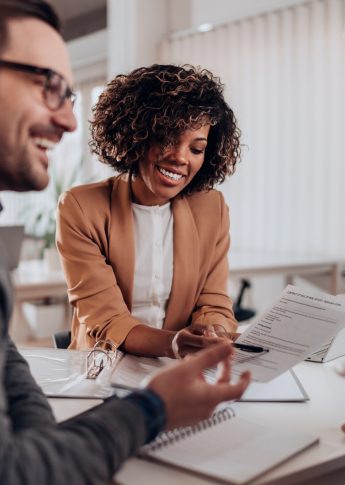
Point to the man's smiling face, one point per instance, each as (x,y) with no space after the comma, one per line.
(28,128)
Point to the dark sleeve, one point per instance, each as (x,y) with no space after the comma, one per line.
(26,404)
(86,449)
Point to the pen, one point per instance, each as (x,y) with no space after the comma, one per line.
(249,348)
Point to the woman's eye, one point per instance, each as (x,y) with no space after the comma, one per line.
(197,151)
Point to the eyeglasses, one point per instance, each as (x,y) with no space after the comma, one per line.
(55,89)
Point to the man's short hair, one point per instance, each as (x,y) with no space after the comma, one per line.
(39,9)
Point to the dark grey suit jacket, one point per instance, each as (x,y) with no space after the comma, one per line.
(86,449)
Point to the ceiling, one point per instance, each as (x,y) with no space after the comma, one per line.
(68,9)
(81,17)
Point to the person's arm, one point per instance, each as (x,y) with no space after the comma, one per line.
(152,342)
(96,296)
(89,448)
(27,406)
(214,305)
(92,285)
(84,450)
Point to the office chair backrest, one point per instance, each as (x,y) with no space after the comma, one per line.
(61,340)
(242,314)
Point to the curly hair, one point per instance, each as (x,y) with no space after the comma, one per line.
(155,105)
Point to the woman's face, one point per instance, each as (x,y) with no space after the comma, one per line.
(164,173)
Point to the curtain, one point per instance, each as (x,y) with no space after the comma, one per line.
(284,77)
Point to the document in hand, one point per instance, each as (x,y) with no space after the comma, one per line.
(226,447)
(294,327)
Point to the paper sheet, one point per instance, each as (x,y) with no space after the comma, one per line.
(284,388)
(294,327)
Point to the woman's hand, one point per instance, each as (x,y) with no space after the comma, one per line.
(216,330)
(196,337)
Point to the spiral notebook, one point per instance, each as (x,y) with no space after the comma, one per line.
(226,447)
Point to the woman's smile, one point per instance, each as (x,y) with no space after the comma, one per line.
(169,176)
(165,172)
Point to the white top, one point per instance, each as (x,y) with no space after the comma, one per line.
(153,273)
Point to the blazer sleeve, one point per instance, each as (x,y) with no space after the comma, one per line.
(92,287)
(214,304)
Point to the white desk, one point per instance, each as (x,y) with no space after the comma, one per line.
(33,280)
(250,263)
(323,464)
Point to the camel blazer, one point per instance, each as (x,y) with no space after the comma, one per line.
(95,238)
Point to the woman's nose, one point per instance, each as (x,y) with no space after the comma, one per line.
(178,153)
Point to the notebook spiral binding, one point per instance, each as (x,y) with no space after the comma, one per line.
(166,438)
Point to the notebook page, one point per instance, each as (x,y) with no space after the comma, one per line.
(235,451)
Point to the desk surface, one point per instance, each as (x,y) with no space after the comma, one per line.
(323,464)
(251,263)
(254,259)
(35,273)
(33,280)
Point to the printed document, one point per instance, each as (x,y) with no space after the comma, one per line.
(294,327)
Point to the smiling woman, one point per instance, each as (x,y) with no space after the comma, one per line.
(165,171)
(145,252)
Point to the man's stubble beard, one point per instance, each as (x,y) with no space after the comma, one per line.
(21,173)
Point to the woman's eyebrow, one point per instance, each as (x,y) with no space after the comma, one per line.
(200,139)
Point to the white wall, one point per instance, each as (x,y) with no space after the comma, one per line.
(284,77)
(220,11)
(89,56)
(135,28)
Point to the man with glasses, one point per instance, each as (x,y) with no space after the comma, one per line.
(36,99)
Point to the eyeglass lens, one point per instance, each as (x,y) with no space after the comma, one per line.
(57,91)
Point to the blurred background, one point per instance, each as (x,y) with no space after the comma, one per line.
(283,68)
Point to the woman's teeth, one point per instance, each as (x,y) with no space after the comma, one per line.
(171,175)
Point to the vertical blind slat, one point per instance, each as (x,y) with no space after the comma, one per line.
(284,76)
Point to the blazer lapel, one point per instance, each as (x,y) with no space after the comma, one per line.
(121,237)
(186,266)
